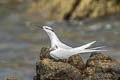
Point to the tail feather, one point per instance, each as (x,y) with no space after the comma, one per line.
(101,47)
(89,50)
(84,49)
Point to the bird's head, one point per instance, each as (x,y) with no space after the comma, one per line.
(46,28)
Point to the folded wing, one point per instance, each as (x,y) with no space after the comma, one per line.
(84,46)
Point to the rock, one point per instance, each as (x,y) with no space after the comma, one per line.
(76,61)
(102,67)
(50,69)
(74,9)
(98,67)
(44,53)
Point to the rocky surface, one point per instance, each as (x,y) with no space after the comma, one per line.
(74,9)
(50,69)
(98,67)
(102,67)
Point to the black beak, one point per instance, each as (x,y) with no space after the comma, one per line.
(40,27)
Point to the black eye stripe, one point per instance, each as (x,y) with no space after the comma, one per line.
(49,29)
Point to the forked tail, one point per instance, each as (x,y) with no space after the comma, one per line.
(96,49)
(90,50)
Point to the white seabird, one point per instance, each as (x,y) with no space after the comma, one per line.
(60,50)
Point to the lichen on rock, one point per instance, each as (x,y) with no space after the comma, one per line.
(50,69)
(102,67)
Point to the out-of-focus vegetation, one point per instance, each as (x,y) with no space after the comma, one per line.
(14,4)
(11,78)
(65,9)
(75,9)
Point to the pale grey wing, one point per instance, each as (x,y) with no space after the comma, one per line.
(84,46)
(61,54)
(62,45)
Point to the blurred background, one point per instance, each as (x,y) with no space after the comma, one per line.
(76,22)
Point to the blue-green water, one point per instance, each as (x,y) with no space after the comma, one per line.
(20,40)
